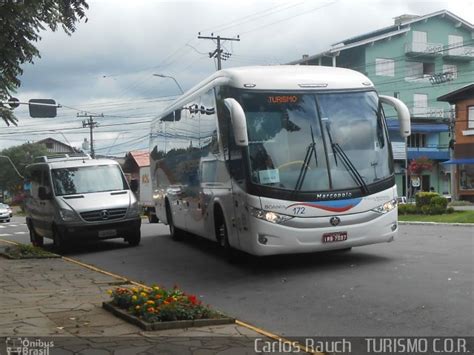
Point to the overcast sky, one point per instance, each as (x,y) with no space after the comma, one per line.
(107,65)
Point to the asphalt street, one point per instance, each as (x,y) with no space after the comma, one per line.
(420,285)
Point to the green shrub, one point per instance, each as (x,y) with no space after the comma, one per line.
(425,209)
(450,210)
(407,209)
(436,209)
(424,199)
(439,204)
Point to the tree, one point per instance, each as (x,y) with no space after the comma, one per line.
(21,156)
(20,24)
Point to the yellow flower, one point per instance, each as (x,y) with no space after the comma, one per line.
(137,307)
(150,302)
(175,298)
(156,288)
(143,294)
(134,298)
(110,292)
(134,290)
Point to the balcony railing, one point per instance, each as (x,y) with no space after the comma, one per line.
(435,152)
(430,112)
(460,53)
(424,48)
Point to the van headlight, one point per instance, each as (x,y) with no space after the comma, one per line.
(386,207)
(133,210)
(269,216)
(68,215)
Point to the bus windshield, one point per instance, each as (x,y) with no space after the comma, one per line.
(87,179)
(316,142)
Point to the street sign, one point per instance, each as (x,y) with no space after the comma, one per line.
(42,108)
(415,181)
(13,102)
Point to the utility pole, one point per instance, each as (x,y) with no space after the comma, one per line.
(218,52)
(91,124)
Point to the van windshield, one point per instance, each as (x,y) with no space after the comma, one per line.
(87,179)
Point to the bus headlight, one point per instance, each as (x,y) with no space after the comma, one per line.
(386,207)
(269,216)
(68,215)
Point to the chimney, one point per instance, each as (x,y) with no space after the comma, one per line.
(400,20)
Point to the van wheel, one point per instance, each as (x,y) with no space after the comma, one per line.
(58,240)
(134,240)
(222,236)
(176,233)
(35,239)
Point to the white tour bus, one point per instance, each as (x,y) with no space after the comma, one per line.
(278,159)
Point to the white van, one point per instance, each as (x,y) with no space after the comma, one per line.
(79,198)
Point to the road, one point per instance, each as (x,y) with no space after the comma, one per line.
(419,285)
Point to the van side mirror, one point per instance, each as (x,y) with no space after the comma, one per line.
(402,112)
(43,194)
(239,122)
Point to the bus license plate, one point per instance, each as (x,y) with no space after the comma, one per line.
(334,237)
(107,233)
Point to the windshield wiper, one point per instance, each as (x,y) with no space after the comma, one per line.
(336,149)
(304,168)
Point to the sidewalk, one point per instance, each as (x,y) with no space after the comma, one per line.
(56,300)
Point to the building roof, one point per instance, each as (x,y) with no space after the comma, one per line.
(402,26)
(141,158)
(52,140)
(466,92)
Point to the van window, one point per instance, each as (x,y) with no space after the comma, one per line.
(87,179)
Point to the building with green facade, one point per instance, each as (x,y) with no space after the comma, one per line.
(417,59)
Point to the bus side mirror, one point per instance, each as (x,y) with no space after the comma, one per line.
(402,112)
(239,123)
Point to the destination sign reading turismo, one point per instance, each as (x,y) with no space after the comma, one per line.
(282,99)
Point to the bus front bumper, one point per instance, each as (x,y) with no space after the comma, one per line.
(269,239)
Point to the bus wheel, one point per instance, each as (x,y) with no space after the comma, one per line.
(152,218)
(35,239)
(222,236)
(176,234)
(58,240)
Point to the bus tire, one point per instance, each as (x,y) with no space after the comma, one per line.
(222,235)
(175,233)
(152,218)
(35,239)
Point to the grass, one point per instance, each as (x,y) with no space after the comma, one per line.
(24,251)
(455,217)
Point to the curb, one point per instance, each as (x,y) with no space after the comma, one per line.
(437,223)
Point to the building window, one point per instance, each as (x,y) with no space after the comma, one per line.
(416,70)
(466,177)
(384,67)
(455,45)
(417,140)
(470,117)
(451,70)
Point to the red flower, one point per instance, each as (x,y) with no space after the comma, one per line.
(192,299)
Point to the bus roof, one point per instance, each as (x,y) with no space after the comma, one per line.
(294,77)
(277,77)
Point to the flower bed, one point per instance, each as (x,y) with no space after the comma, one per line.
(156,308)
